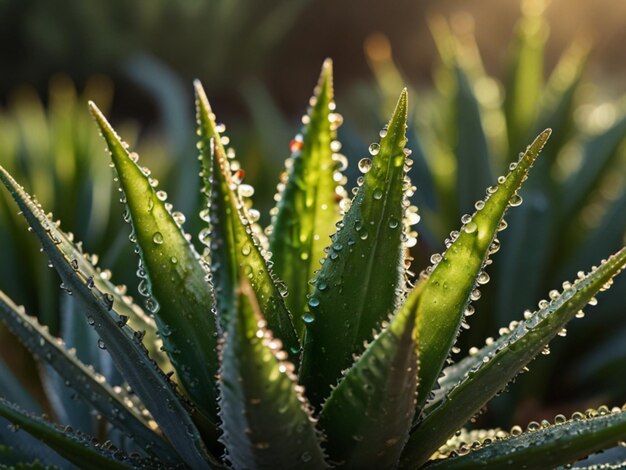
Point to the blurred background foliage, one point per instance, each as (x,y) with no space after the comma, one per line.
(485,76)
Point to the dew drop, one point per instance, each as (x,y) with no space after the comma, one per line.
(515,200)
(308,317)
(470,227)
(245,190)
(101,344)
(374,149)
(533,426)
(157,238)
(378,194)
(365,165)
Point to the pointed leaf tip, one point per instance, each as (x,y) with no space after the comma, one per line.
(201,94)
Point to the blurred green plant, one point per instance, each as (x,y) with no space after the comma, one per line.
(225,370)
(468,127)
(111,36)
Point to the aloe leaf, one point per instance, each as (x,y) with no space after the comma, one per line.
(233,239)
(21,447)
(266,419)
(471,149)
(171,271)
(368,415)
(125,345)
(362,279)
(608,233)
(598,155)
(491,369)
(549,446)
(89,385)
(535,221)
(453,278)
(308,207)
(75,447)
(525,77)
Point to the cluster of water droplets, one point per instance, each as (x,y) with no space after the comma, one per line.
(469,226)
(465,441)
(516,330)
(293,169)
(40,343)
(248,216)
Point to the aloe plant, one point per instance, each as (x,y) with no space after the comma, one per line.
(469,126)
(267,361)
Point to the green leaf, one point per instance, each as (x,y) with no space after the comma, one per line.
(473,172)
(547,447)
(368,415)
(91,387)
(308,207)
(170,270)
(491,369)
(452,280)
(266,419)
(75,447)
(234,241)
(125,345)
(535,221)
(598,154)
(362,279)
(524,81)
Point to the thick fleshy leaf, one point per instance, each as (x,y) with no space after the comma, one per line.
(308,208)
(525,78)
(473,172)
(535,223)
(91,387)
(267,422)
(76,448)
(547,446)
(368,415)
(172,272)
(362,279)
(490,370)
(233,239)
(452,280)
(125,345)
(598,155)
(21,448)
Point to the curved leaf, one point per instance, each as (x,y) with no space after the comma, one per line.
(491,369)
(362,279)
(368,415)
(174,274)
(548,447)
(125,345)
(266,420)
(598,155)
(452,280)
(525,78)
(234,244)
(535,221)
(75,447)
(90,386)
(473,173)
(308,207)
